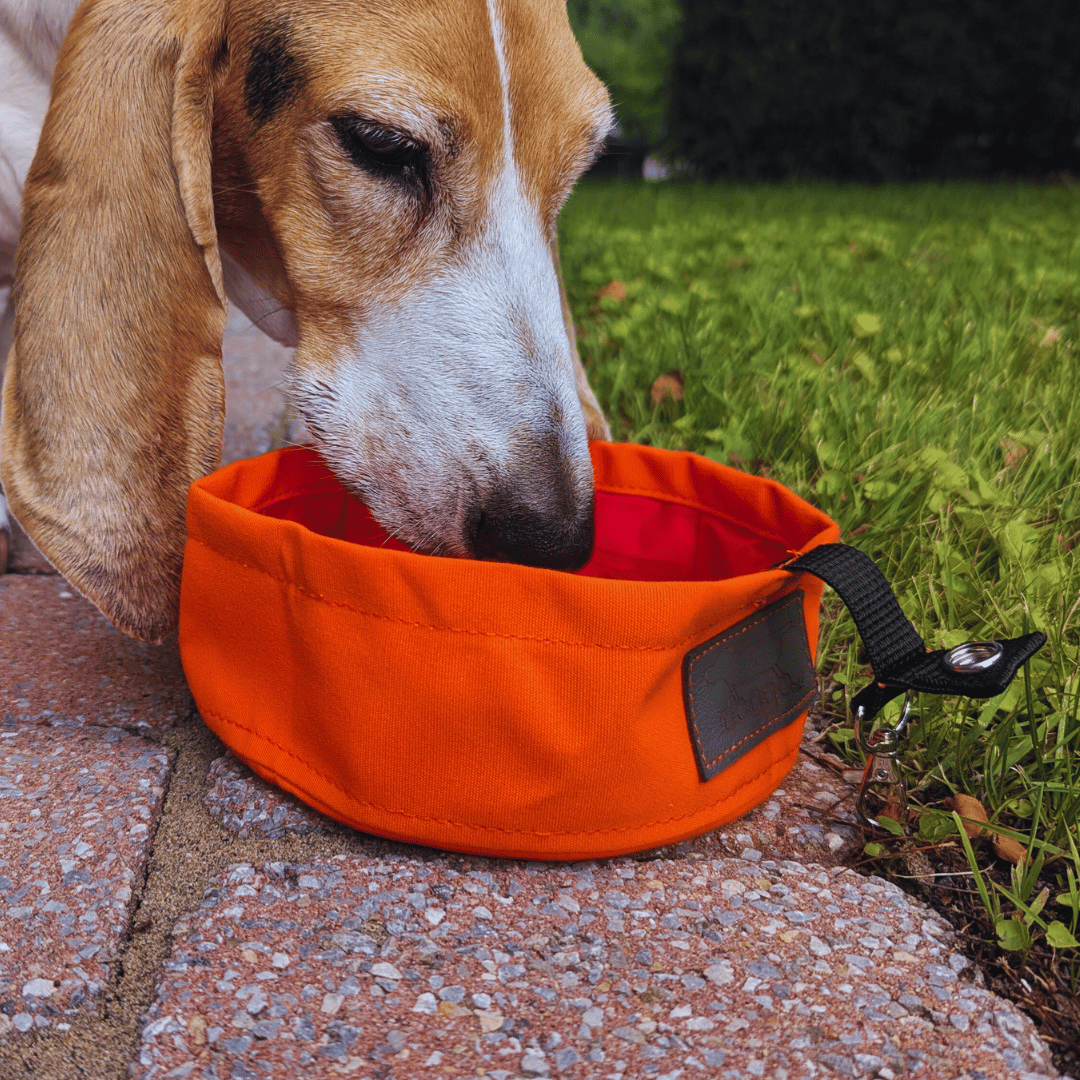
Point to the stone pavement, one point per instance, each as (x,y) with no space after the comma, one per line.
(166,914)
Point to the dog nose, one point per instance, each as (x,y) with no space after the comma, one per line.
(513,532)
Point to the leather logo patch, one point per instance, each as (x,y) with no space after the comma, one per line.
(747,682)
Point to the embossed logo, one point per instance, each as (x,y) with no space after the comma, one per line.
(747,682)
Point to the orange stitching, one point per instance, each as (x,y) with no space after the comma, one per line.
(319,598)
(717,644)
(330,486)
(487,828)
(795,709)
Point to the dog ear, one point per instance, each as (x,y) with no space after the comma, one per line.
(114,395)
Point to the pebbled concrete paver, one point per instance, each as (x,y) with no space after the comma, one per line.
(247,805)
(78,809)
(436,965)
(810,817)
(62,661)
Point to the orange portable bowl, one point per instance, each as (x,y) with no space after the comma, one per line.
(502,709)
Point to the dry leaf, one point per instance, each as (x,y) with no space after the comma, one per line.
(667,386)
(1005,847)
(968,807)
(1014,452)
(614,289)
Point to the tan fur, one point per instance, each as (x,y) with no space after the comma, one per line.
(113,395)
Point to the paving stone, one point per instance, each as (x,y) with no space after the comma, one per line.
(256,417)
(247,805)
(425,964)
(810,817)
(62,661)
(78,808)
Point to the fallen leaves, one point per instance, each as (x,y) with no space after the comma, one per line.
(613,290)
(667,387)
(1014,452)
(1005,847)
(1051,338)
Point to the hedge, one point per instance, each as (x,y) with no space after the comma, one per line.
(877,89)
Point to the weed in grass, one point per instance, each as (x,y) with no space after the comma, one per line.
(905,357)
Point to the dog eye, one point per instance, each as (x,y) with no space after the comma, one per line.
(382,150)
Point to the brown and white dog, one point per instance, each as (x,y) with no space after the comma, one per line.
(373,181)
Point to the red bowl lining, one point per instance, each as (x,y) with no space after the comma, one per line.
(637,538)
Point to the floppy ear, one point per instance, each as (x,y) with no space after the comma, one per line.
(114,396)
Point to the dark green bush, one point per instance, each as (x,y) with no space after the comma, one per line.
(629,44)
(876,89)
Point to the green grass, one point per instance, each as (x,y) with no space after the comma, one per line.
(905,357)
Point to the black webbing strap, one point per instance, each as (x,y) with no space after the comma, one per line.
(897,653)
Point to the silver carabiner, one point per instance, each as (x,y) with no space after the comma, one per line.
(882,792)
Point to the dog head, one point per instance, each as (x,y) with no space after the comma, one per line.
(379,181)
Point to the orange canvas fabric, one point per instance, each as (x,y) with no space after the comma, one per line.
(487,707)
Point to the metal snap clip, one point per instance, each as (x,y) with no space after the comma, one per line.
(973,656)
(882,792)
